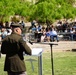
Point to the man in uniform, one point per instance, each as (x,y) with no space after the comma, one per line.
(13,46)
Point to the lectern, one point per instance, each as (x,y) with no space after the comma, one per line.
(37,52)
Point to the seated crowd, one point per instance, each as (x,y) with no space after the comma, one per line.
(5,29)
(67,28)
(43,34)
(51,32)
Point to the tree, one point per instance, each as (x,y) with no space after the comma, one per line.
(42,10)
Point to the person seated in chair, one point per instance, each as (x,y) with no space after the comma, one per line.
(53,34)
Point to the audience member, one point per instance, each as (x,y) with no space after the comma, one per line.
(3,32)
(43,37)
(23,24)
(48,35)
(53,35)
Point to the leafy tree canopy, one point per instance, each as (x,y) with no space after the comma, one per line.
(42,10)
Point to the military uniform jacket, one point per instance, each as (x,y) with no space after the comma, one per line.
(14,46)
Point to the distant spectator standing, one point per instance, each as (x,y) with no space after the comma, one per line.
(39,27)
(23,24)
(59,26)
(73,35)
(6,24)
(64,26)
(32,23)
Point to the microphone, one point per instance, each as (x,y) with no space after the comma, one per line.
(28,41)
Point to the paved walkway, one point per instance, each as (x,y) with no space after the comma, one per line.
(62,46)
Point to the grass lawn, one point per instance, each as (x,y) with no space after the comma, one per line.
(64,64)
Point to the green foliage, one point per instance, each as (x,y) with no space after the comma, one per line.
(43,10)
(53,10)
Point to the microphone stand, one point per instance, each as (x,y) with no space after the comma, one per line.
(52,58)
(51,45)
